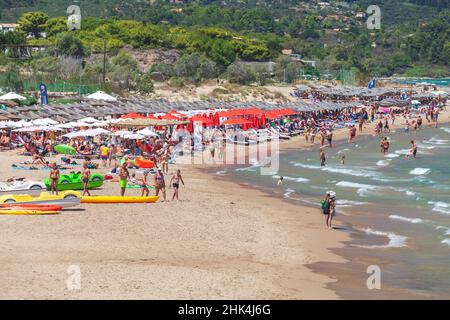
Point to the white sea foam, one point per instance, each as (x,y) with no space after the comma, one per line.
(401,218)
(306,166)
(362,189)
(402,152)
(424,146)
(221,173)
(446,241)
(288,193)
(349,203)
(299,179)
(395,240)
(446,129)
(439,206)
(420,171)
(351,172)
(383,163)
(391,155)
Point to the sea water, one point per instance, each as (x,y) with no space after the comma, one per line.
(397,208)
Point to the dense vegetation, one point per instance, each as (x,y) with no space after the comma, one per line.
(216,40)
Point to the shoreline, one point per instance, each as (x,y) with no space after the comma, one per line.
(321,264)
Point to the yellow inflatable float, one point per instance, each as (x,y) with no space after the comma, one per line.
(117,199)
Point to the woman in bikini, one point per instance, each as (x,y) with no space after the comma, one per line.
(160,184)
(54,178)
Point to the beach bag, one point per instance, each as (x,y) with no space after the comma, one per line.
(325,205)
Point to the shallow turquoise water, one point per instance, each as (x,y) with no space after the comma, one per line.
(440,82)
(400,207)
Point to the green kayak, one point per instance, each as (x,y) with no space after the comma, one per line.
(73,182)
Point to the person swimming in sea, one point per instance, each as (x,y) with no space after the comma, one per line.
(280,181)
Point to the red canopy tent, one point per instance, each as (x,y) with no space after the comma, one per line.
(132,115)
(237,121)
(251,111)
(169,116)
(177,114)
(202,119)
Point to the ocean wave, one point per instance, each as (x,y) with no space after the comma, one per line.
(395,240)
(439,206)
(392,155)
(424,146)
(402,151)
(288,193)
(383,163)
(363,190)
(221,173)
(420,171)
(446,129)
(299,179)
(401,218)
(349,203)
(306,166)
(409,193)
(446,241)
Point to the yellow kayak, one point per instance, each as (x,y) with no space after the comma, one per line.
(118,199)
(28,212)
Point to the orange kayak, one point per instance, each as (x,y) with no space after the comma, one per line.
(145,164)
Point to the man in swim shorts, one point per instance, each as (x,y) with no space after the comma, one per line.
(384,144)
(175,182)
(123,178)
(85,179)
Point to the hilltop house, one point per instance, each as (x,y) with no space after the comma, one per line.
(5,27)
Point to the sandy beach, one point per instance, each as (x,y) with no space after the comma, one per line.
(222,241)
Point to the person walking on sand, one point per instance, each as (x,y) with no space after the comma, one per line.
(322,157)
(124,174)
(175,182)
(360,124)
(329,207)
(352,134)
(54,178)
(104,153)
(85,178)
(160,184)
(143,184)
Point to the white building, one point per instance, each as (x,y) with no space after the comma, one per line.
(5,27)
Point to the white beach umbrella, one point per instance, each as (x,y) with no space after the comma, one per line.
(148,133)
(121,133)
(74,134)
(67,125)
(12,96)
(90,120)
(95,132)
(439,93)
(44,122)
(100,95)
(134,136)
